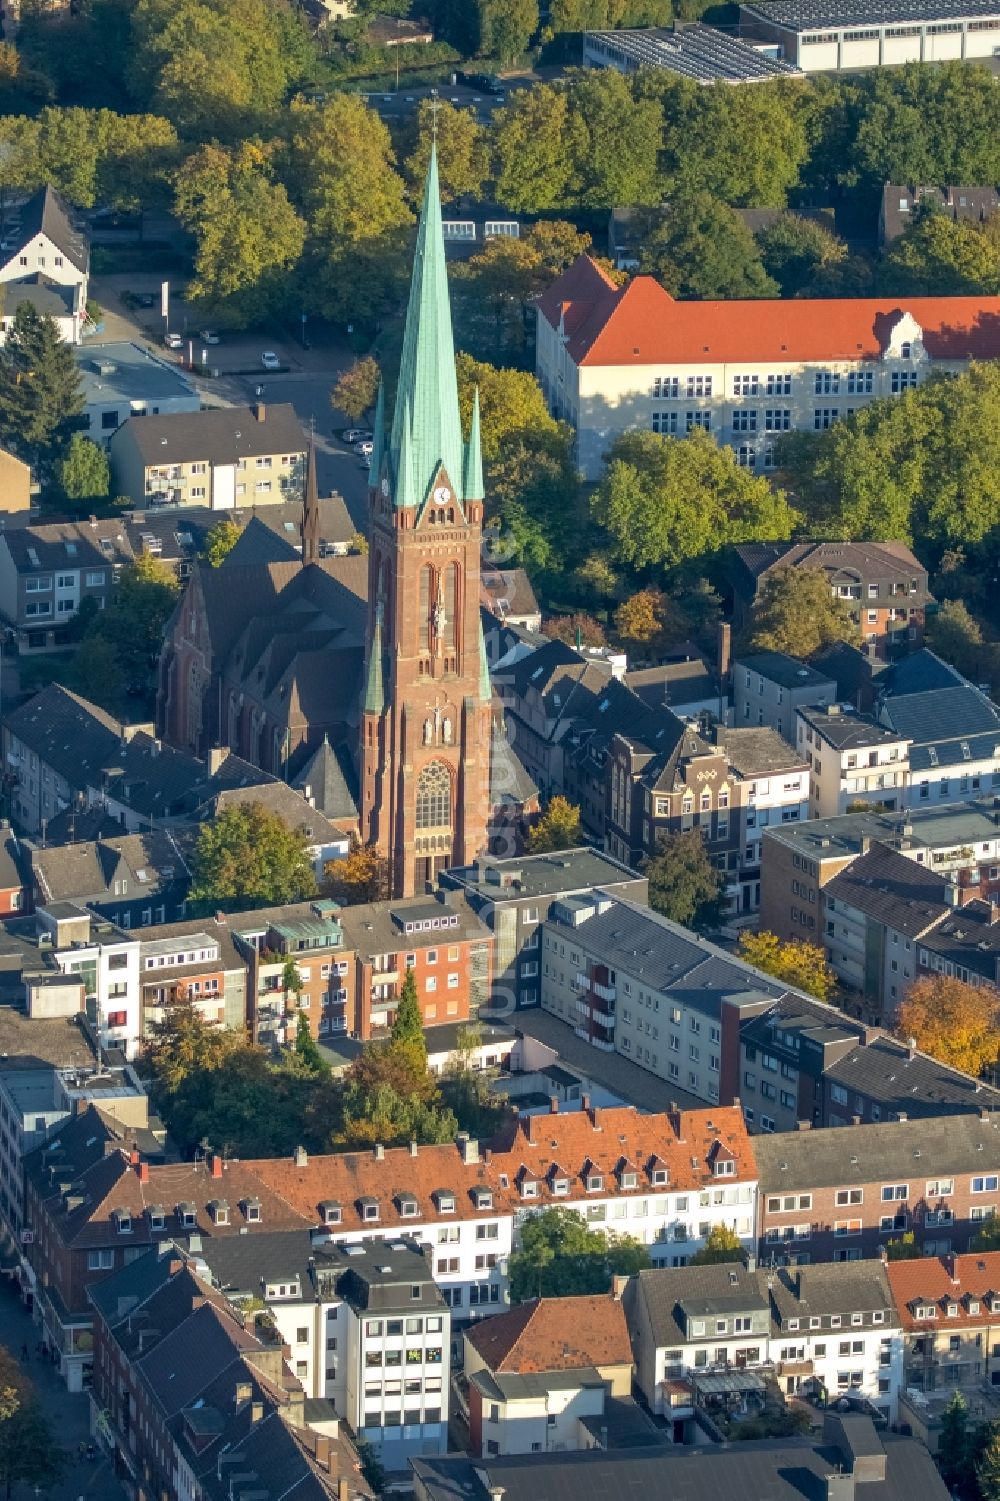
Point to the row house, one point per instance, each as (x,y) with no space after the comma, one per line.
(364,1324)
(826,1331)
(833,1195)
(854,761)
(615,359)
(194,963)
(298,964)
(949,1309)
(632,982)
(769,686)
(667,1180)
(94,1204)
(194,1400)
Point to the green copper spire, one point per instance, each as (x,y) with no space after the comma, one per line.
(375,689)
(472,477)
(485,686)
(378,435)
(406,494)
(428,388)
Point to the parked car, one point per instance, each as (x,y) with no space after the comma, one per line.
(270,360)
(173,341)
(145,299)
(365,448)
(365,461)
(209,336)
(352,435)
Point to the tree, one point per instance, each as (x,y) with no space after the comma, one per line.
(684,885)
(559,1257)
(220,542)
(954,1022)
(247,234)
(557,245)
(578,629)
(133,623)
(940,256)
(700,247)
(307,1048)
(664,501)
(341,169)
(987,1237)
(463,153)
(507,27)
(466,1086)
(29,1454)
(615,139)
(920,124)
(83,473)
(533,166)
(361,876)
(797,612)
(41,394)
(796,962)
(407,1032)
(387,1099)
(957,637)
(953,1441)
(988,1468)
(493,289)
(557,829)
(800,255)
(248,857)
(721,1244)
(641,617)
(903,1248)
(356,389)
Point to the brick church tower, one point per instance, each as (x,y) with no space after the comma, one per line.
(425,721)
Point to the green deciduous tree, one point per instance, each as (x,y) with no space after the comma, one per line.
(797,612)
(801,256)
(220,542)
(132,625)
(559,1257)
(957,637)
(615,138)
(463,151)
(83,474)
(988,1468)
(249,857)
(664,501)
(557,829)
(940,256)
(532,162)
(356,389)
(721,1244)
(920,124)
(700,247)
(506,27)
(29,1453)
(684,885)
(41,396)
(247,233)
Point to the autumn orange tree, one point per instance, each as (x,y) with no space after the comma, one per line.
(640,618)
(954,1022)
(557,829)
(361,876)
(796,962)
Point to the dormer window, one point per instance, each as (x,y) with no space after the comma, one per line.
(187,1215)
(251,1209)
(629,1178)
(906,351)
(369,1209)
(157,1217)
(973,1305)
(330,1212)
(482,1198)
(560,1186)
(219,1210)
(660,1177)
(924,1311)
(529,1188)
(595,1182)
(724,1167)
(952,1310)
(123,1221)
(445,1200)
(407,1206)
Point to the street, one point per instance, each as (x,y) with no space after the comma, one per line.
(68,1414)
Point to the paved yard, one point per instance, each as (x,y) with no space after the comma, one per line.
(68,1414)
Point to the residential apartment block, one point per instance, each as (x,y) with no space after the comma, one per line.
(769,686)
(828,1331)
(612,359)
(48,571)
(221,457)
(852,759)
(834,1195)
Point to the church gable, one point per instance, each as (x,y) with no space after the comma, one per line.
(443,506)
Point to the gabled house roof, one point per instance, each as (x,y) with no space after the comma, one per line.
(151,863)
(641,324)
(217,435)
(887,1151)
(892,890)
(554,1334)
(47,213)
(67,732)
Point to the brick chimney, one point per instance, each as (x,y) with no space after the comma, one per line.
(323,1451)
(215,1165)
(260,411)
(142,1171)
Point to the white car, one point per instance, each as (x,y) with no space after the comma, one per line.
(270,360)
(365,448)
(173,341)
(209,336)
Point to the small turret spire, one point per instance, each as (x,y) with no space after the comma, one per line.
(375,686)
(485,686)
(473,487)
(378,435)
(310,507)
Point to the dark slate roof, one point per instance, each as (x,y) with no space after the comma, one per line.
(885,1152)
(777,667)
(892,890)
(259,543)
(48,213)
(969,938)
(974,205)
(903,1080)
(920,672)
(150,862)
(46,296)
(216,434)
(947,725)
(68,544)
(509,781)
(328,779)
(67,732)
(779,1469)
(553,875)
(862,561)
(848,731)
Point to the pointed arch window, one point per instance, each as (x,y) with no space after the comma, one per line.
(434,797)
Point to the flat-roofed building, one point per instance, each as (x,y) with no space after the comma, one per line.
(830,36)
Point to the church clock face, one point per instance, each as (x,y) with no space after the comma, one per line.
(442,495)
(385,484)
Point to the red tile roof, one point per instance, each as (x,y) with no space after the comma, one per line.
(641,324)
(941,1280)
(554,1334)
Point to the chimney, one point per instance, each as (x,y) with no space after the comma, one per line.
(984,1112)
(379,1152)
(260,411)
(413,1149)
(301,1157)
(215,1165)
(323,1451)
(468,1147)
(142,1171)
(603,1443)
(133,1157)
(343,1489)
(553,1104)
(256,1412)
(952,895)
(803,1125)
(723,649)
(497,1493)
(618,1286)
(216,755)
(585,1102)
(244,1391)
(951,1267)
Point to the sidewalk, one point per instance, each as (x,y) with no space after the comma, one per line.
(68,1414)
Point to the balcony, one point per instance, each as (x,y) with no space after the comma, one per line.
(603,992)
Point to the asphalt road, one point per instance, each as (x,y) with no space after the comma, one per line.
(396,105)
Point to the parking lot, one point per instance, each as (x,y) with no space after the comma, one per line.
(396,104)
